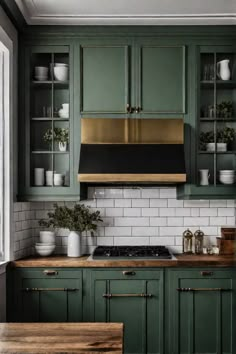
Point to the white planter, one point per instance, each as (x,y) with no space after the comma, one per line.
(62,146)
(220,147)
(74,246)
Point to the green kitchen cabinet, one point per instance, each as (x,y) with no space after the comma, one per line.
(136,79)
(46,295)
(201,306)
(41,99)
(134,297)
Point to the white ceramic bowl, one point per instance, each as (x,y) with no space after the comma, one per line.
(227,172)
(47,236)
(60,64)
(227,179)
(61,73)
(45,251)
(45,246)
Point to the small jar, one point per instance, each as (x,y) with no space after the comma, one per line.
(187,242)
(198,242)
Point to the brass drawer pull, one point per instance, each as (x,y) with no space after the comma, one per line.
(206,273)
(203,289)
(49,289)
(109,296)
(50,272)
(128,272)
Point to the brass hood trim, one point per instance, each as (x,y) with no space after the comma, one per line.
(137,178)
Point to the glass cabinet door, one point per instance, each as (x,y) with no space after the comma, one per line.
(49,120)
(216,162)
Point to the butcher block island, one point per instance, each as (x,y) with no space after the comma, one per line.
(77,338)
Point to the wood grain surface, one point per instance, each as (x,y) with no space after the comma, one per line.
(79,338)
(86,262)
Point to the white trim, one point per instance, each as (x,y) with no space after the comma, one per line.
(3,266)
(6,46)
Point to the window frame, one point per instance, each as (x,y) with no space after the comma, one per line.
(6,48)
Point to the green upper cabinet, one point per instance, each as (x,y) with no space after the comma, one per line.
(202,311)
(135,298)
(136,79)
(47,295)
(161,79)
(105,79)
(49,124)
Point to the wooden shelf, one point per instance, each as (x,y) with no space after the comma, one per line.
(220,83)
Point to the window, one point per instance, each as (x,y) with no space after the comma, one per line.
(4,150)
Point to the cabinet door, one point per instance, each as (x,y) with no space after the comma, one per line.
(43,298)
(202,318)
(123,302)
(104,79)
(161,79)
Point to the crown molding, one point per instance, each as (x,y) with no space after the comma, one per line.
(32,18)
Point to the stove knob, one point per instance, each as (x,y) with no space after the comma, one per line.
(108,254)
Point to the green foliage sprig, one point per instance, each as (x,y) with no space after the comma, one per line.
(79,218)
(59,134)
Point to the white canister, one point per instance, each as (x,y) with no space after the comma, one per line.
(47,236)
(39,176)
(74,246)
(58,179)
(49,178)
(204,177)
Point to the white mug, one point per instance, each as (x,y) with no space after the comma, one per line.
(204,177)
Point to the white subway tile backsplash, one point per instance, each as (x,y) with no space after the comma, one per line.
(226,211)
(168,192)
(123,203)
(167,211)
(140,203)
(132,216)
(158,203)
(208,212)
(145,231)
(132,221)
(132,212)
(132,193)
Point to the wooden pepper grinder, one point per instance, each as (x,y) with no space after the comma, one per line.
(187,242)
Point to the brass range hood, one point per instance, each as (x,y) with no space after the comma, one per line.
(132,151)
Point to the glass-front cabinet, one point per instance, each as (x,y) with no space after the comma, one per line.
(216,143)
(49,170)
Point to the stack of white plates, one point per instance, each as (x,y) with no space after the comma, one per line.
(227,176)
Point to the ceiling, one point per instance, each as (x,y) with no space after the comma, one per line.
(128,12)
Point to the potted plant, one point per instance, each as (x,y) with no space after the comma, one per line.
(60,135)
(77,219)
(223,138)
(224,109)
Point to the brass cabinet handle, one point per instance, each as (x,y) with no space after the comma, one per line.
(129,109)
(50,272)
(128,272)
(203,289)
(49,289)
(206,273)
(138,109)
(109,296)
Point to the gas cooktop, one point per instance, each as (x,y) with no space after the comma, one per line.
(131,252)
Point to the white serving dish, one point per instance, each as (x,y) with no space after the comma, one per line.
(45,251)
(227,179)
(61,73)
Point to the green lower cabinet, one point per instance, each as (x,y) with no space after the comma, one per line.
(42,296)
(134,298)
(202,311)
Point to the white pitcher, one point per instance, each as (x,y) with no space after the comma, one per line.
(204,177)
(223,71)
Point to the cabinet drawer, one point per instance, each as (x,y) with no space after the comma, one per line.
(47,273)
(127,273)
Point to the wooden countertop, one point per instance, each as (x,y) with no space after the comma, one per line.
(86,338)
(86,262)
